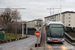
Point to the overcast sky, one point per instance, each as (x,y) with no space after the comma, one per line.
(38,8)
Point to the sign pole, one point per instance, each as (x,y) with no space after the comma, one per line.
(37,34)
(37,43)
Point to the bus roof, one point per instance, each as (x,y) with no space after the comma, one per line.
(54,22)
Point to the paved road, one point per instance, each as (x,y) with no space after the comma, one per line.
(55,46)
(20,44)
(58,46)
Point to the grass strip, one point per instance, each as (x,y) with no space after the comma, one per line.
(11,36)
(73,42)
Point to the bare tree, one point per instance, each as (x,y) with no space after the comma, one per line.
(9,16)
(16,15)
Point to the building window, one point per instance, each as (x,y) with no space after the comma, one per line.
(69,14)
(63,15)
(52,17)
(68,24)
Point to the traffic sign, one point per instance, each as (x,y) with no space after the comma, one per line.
(37,33)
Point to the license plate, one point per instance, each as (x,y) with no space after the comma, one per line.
(55,39)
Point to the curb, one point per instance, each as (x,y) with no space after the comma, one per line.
(41,42)
(69,42)
(6,41)
(69,39)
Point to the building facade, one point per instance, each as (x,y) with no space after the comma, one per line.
(67,18)
(20,23)
(34,23)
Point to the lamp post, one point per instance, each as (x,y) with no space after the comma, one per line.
(22,29)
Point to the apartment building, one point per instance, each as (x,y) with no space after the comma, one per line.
(34,23)
(67,18)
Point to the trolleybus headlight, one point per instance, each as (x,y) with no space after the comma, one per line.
(48,38)
(62,39)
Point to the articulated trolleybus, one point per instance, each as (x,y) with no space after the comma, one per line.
(55,31)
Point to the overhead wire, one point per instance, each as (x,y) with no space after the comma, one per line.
(54,3)
(71,2)
(61,2)
(57,3)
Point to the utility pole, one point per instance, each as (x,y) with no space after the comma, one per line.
(60,14)
(53,11)
(50,11)
(60,18)
(16,23)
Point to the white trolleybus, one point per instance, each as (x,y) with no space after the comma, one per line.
(55,31)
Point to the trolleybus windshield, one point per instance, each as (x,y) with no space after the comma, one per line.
(56,30)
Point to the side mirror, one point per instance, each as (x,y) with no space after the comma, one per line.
(46,27)
(65,29)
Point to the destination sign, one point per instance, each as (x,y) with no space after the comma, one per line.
(55,25)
